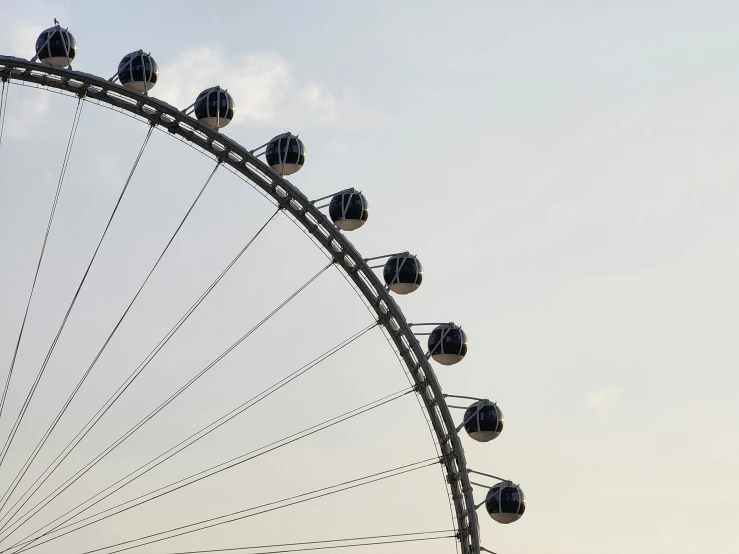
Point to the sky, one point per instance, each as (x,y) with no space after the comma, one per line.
(565,172)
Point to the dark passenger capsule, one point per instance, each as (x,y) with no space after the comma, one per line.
(214,107)
(403,273)
(56,46)
(285,154)
(138,71)
(505,502)
(349,210)
(448,344)
(483,421)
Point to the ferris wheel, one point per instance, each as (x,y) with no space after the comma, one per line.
(64,482)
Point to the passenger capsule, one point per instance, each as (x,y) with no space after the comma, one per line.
(138,71)
(56,46)
(448,344)
(403,273)
(349,210)
(505,502)
(483,421)
(214,107)
(285,154)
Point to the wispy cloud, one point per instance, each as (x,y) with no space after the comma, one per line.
(266,89)
(23,22)
(605,398)
(257,82)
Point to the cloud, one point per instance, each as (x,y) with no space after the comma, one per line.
(23,22)
(604,399)
(257,82)
(265,88)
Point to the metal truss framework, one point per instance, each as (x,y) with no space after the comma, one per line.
(293,201)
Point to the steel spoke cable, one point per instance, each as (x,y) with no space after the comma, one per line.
(3,105)
(211,471)
(325,541)
(252,547)
(16,481)
(192,439)
(329,546)
(62,173)
(10,513)
(24,346)
(64,486)
(406,373)
(268,507)
(203,432)
(131,378)
(410,382)
(387,473)
(419,400)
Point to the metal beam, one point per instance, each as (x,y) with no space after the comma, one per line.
(317,224)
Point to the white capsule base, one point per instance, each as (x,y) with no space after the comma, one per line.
(139,86)
(505,518)
(404,288)
(484,436)
(350,224)
(215,122)
(447,359)
(289,169)
(57,61)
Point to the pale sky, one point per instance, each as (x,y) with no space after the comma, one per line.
(567,174)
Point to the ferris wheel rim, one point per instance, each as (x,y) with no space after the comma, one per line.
(316,224)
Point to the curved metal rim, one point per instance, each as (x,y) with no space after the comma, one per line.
(292,200)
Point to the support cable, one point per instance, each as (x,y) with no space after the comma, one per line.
(434,440)
(65,162)
(69,482)
(16,481)
(211,471)
(10,513)
(268,507)
(3,105)
(326,544)
(189,441)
